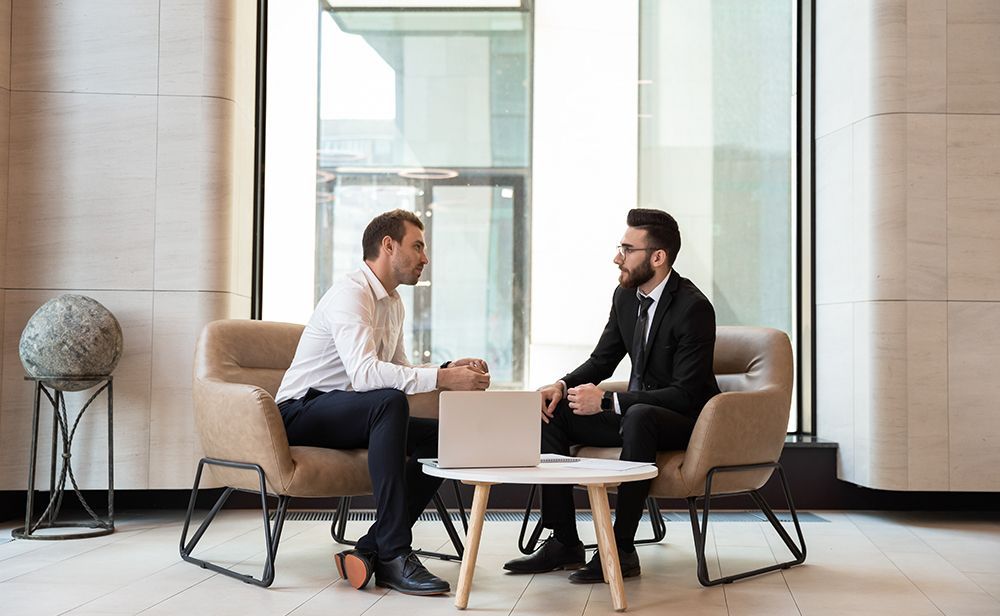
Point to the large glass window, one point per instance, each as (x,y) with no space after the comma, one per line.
(428,111)
(716,147)
(522,133)
(716,137)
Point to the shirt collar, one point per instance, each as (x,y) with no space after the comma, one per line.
(657,290)
(376,285)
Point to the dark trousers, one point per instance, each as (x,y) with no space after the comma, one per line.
(641,432)
(380,422)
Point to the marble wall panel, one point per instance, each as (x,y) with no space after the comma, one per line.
(880,207)
(974,395)
(82,169)
(836,269)
(198,53)
(887,42)
(195,191)
(880,393)
(973,53)
(241,269)
(4,175)
(3,301)
(862,366)
(924,240)
(133,309)
(245,43)
(974,207)
(926,246)
(835,382)
(178,318)
(5,44)
(927,395)
(106,46)
(926,56)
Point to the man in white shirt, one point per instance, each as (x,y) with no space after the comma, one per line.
(346,389)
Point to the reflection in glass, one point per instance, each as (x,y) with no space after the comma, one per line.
(715,134)
(428,111)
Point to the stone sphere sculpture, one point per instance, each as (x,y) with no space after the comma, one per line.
(71,335)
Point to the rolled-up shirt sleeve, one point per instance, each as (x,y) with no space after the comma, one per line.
(351,322)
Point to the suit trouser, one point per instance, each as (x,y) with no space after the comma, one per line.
(641,432)
(379,421)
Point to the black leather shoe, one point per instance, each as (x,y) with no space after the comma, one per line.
(593,572)
(355,566)
(408,575)
(551,556)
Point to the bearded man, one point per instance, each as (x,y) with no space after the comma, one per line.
(667,327)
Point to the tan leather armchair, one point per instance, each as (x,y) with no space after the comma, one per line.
(238,367)
(737,439)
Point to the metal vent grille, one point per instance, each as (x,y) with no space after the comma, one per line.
(368,515)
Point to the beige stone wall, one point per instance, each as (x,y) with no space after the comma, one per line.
(131,162)
(4,154)
(908,241)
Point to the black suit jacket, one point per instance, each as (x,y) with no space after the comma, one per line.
(679,349)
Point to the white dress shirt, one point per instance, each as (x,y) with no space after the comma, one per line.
(354,342)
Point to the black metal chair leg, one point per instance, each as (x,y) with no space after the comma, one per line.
(527,547)
(461,507)
(449,527)
(272,533)
(338,528)
(532,543)
(701,531)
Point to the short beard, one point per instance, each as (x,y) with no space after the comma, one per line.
(405,276)
(639,276)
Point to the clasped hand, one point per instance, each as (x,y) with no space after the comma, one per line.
(583,400)
(466,374)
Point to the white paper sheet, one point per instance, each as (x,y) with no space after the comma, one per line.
(552,460)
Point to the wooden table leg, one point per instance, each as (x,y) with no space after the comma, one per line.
(476,519)
(606,544)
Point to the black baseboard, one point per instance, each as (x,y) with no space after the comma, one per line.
(810,468)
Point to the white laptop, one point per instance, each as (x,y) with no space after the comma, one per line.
(489,429)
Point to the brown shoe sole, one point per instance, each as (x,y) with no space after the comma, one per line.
(353,568)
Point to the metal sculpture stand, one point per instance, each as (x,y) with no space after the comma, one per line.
(61,428)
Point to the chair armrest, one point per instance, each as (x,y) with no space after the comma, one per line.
(736,428)
(241,423)
(615,386)
(424,405)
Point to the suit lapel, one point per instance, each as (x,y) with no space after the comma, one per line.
(661,309)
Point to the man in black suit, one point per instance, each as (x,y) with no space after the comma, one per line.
(667,327)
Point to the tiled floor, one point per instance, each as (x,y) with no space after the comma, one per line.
(858,563)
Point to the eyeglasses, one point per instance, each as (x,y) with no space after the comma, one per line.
(625,251)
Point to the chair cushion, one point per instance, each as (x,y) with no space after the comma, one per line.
(668,484)
(317,473)
(321,472)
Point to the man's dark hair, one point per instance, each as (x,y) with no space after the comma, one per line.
(389,223)
(660,228)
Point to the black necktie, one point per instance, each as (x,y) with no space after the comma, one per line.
(639,344)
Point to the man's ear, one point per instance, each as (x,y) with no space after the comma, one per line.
(387,244)
(660,257)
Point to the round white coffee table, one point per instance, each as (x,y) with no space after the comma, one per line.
(596,481)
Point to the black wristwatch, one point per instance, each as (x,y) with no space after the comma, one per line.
(607,401)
